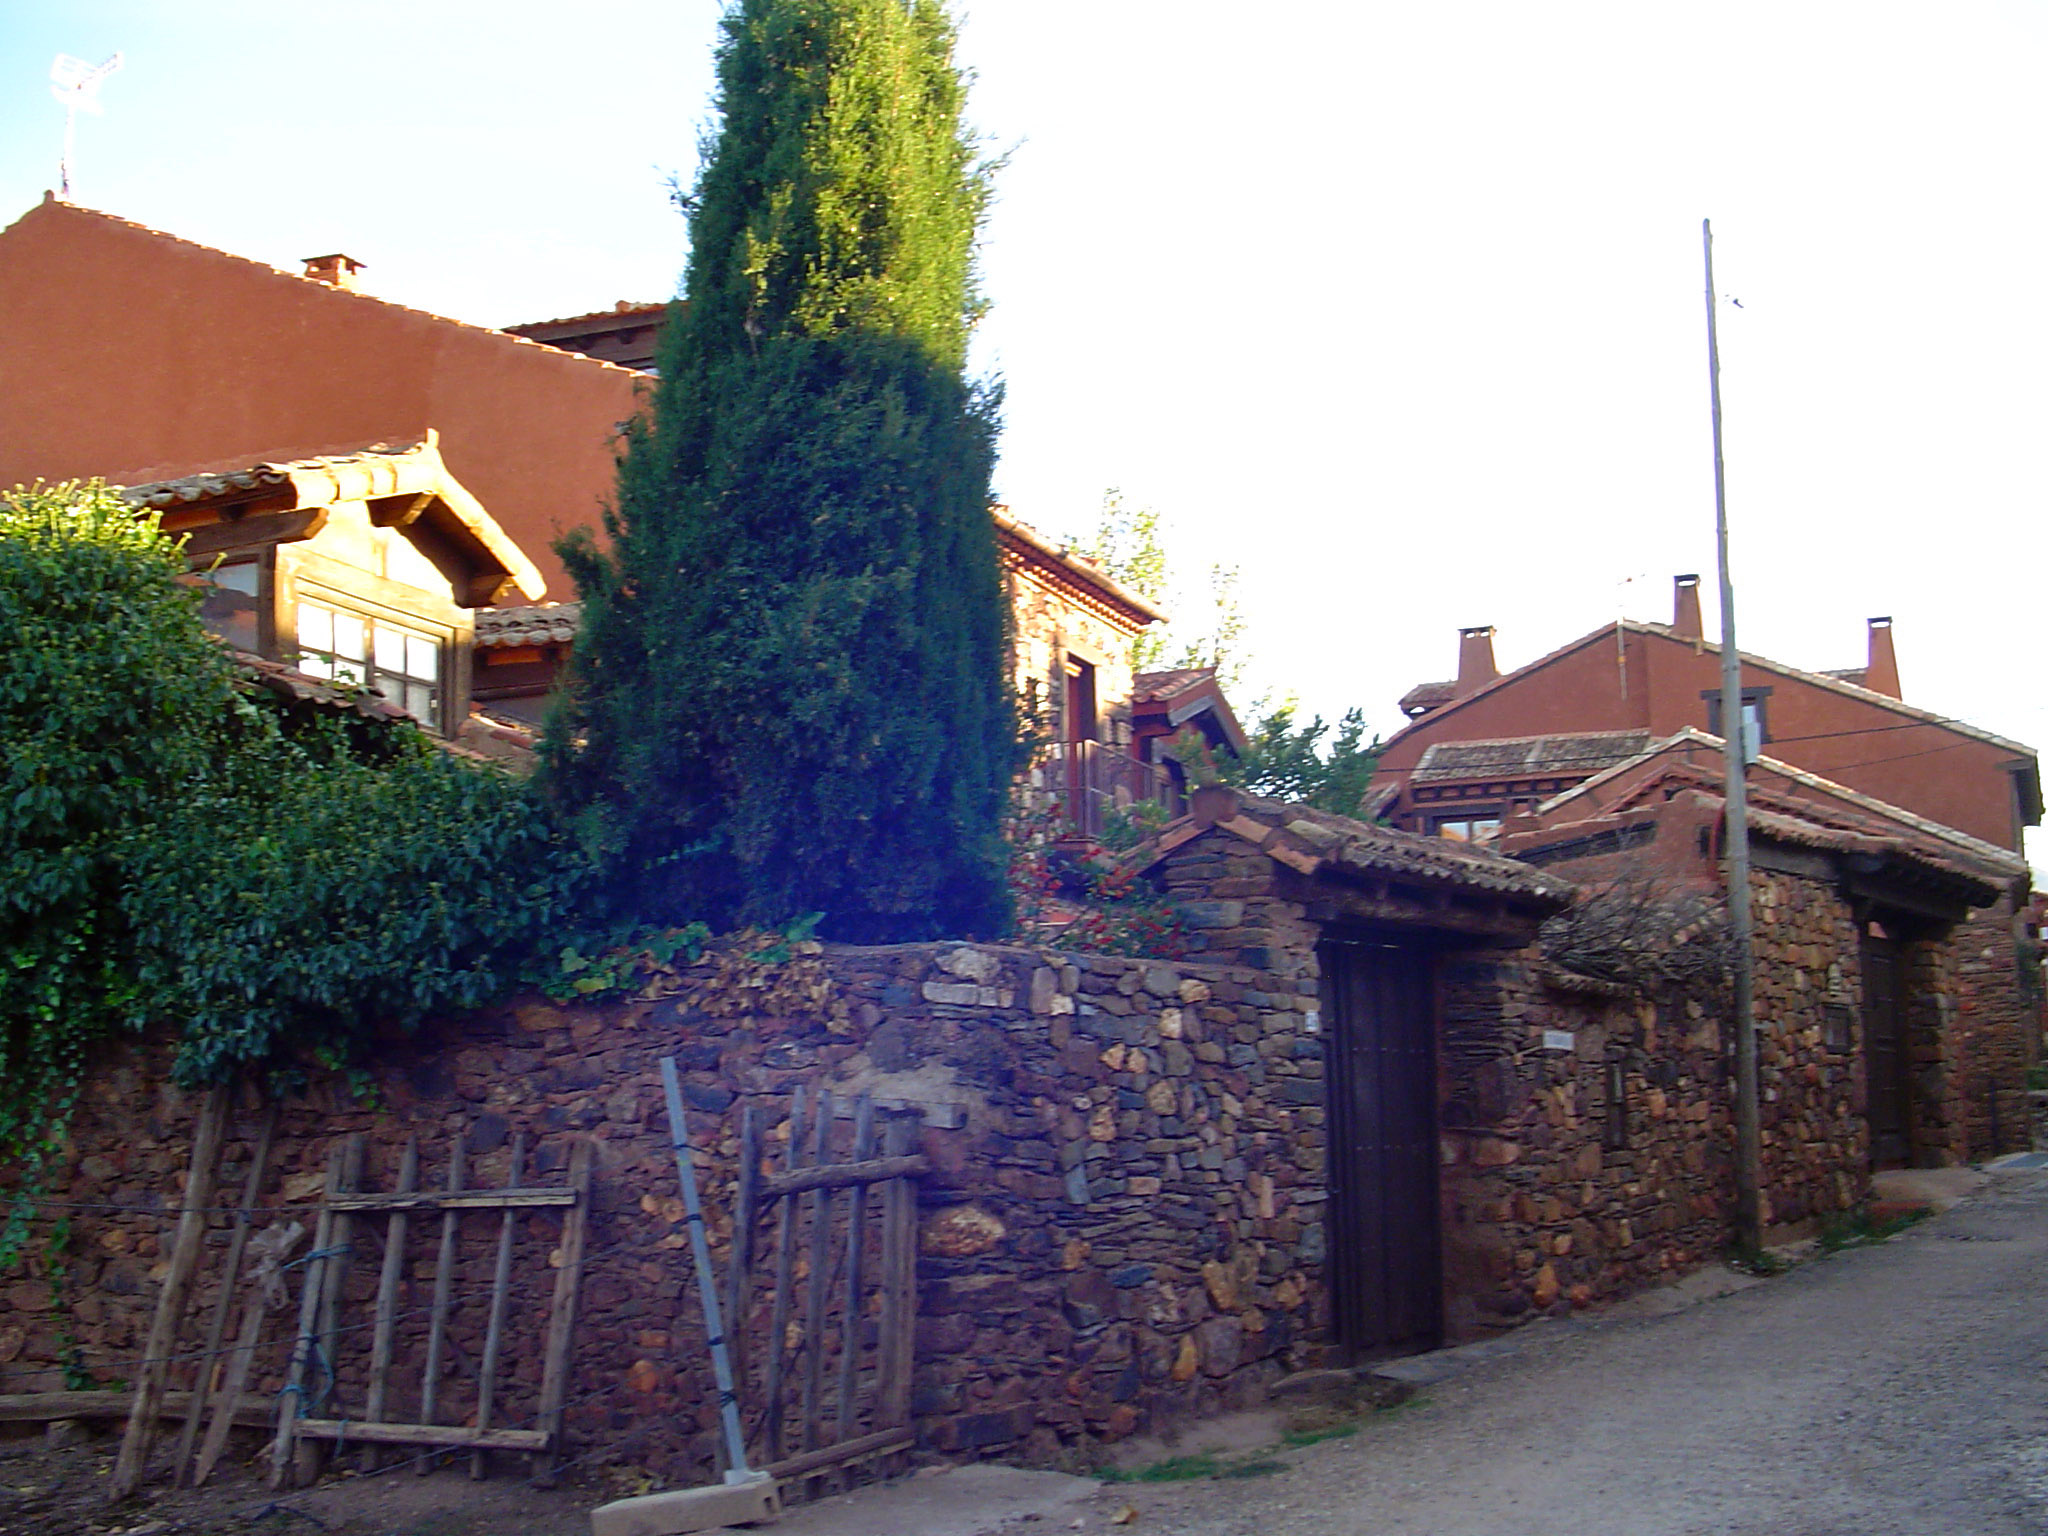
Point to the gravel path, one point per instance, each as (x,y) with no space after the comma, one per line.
(1890,1389)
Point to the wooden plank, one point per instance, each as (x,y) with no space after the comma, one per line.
(899,1283)
(785,1265)
(444,1281)
(882,1443)
(154,1377)
(306,1458)
(290,1401)
(48,1407)
(453,1436)
(231,1273)
(738,1277)
(554,1383)
(875,1170)
(459,1200)
(855,1307)
(386,1326)
(501,1288)
(820,1281)
(231,1388)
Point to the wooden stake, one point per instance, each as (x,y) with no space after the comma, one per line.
(308,1455)
(855,1310)
(494,1339)
(387,1297)
(738,1277)
(216,1331)
(444,1280)
(820,1282)
(231,1389)
(899,1283)
(785,1266)
(554,1383)
(291,1401)
(154,1378)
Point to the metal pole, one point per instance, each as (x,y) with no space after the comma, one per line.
(700,1247)
(1748,1134)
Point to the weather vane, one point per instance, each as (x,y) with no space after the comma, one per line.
(76,84)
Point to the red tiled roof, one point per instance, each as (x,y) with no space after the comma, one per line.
(1522,757)
(1157,687)
(1310,840)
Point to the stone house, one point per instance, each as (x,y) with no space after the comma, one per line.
(1486,744)
(1885,940)
(1553,738)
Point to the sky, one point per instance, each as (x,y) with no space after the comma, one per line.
(1396,307)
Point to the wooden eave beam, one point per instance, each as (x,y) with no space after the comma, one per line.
(258,531)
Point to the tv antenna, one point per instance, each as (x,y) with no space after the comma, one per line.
(76,84)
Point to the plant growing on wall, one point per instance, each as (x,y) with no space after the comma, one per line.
(789,691)
(170,853)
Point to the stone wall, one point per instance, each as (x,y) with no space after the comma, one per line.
(1586,1139)
(1123,1225)
(1999,1027)
(1809,1031)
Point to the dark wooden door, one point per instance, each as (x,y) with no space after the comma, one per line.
(1886,1064)
(1379,1054)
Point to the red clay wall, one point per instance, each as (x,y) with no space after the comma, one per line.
(152,356)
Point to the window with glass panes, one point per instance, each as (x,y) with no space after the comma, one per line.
(402,664)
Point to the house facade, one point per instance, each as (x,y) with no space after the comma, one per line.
(155,358)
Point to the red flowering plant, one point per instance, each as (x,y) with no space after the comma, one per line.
(1071,892)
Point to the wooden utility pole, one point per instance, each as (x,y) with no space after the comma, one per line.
(1748,1133)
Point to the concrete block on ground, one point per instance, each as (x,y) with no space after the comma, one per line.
(682,1510)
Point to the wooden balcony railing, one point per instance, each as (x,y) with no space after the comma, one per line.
(1091,778)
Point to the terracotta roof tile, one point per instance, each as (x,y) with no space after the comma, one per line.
(210,483)
(540,624)
(1154,687)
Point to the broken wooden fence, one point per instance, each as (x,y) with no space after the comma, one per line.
(830,1385)
(352,1218)
(343,1208)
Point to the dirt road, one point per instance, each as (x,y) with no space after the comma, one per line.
(1888,1389)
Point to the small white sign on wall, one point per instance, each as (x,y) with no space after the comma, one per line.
(1312,1023)
(1559,1040)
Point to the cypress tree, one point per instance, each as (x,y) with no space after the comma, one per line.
(789,691)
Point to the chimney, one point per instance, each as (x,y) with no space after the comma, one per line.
(1685,607)
(1883,675)
(336,271)
(1475,660)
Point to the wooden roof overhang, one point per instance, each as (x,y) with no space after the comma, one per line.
(1343,871)
(408,488)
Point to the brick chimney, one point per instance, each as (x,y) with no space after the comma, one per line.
(336,271)
(1475,660)
(1883,675)
(1685,607)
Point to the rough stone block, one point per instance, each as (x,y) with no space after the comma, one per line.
(688,1509)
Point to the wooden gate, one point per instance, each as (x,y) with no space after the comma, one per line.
(824,1334)
(1887,1062)
(1379,1054)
